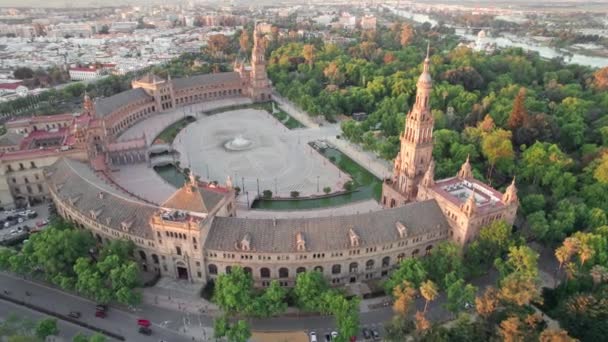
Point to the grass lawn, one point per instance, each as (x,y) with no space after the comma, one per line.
(169,133)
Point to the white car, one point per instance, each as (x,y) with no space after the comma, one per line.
(313,336)
(334,335)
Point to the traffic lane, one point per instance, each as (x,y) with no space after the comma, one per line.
(66,329)
(117,321)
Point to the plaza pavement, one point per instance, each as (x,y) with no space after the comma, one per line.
(154,125)
(279,158)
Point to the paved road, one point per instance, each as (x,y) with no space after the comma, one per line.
(117,321)
(67,330)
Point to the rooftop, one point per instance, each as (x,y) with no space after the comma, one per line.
(459,190)
(326,233)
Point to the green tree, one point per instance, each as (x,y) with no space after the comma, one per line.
(271,302)
(310,285)
(233,291)
(47,327)
(445,258)
(497,148)
(326,190)
(239,332)
(458,294)
(411,270)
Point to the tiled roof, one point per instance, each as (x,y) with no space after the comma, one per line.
(107,105)
(206,79)
(76,183)
(10,139)
(150,78)
(326,233)
(202,201)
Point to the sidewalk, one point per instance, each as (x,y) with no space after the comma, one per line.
(294,111)
(370,161)
(179,296)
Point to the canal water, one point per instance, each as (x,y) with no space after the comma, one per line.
(366,185)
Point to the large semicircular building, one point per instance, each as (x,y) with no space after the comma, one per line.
(196,234)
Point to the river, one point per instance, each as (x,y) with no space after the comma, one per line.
(511,41)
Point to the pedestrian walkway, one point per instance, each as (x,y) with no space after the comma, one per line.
(370,161)
(294,111)
(179,295)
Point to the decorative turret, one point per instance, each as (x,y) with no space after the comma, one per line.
(229,183)
(429,176)
(192,183)
(465,170)
(469,207)
(510,195)
(88,107)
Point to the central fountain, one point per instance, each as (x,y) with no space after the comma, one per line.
(238,143)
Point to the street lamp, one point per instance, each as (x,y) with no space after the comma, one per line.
(317,183)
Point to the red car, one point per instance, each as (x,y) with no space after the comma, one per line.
(100,314)
(143,323)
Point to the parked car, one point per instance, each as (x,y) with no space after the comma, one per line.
(145,331)
(376,335)
(366,333)
(74,314)
(334,334)
(101,307)
(42,223)
(327,337)
(313,336)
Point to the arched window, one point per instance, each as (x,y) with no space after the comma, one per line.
(319,269)
(428,249)
(248,270)
(336,269)
(228,269)
(264,272)
(369,264)
(142,255)
(155,259)
(300,270)
(415,252)
(353,267)
(213,269)
(283,272)
(386,261)
(400,257)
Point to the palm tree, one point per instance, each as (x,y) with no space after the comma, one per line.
(429,291)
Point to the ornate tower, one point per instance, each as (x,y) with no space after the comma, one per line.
(259,83)
(416,140)
(88,107)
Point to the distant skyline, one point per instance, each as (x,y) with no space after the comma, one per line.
(108,3)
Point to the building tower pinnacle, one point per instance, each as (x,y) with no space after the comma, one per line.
(260,85)
(417,139)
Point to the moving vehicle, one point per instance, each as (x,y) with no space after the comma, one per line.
(143,323)
(145,331)
(366,333)
(74,314)
(313,336)
(100,314)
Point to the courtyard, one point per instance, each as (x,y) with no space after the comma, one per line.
(252,146)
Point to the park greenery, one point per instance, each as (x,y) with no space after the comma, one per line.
(235,295)
(15,328)
(514,114)
(71,259)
